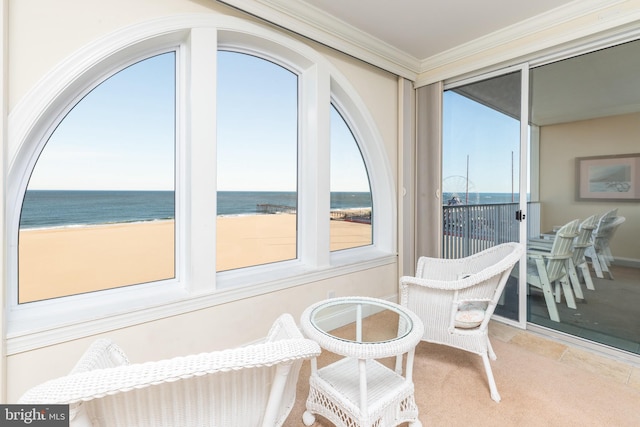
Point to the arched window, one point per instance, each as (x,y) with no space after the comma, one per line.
(98,212)
(257,162)
(351,204)
(177,128)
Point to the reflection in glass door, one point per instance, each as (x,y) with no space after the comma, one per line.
(481,164)
(579,116)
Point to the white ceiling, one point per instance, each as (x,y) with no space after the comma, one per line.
(424,28)
(600,84)
(412,33)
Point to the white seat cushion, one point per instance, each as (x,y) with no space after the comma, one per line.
(470,314)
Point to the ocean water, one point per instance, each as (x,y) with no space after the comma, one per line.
(247,202)
(53,208)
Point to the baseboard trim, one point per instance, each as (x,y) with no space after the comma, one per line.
(603,350)
(627,262)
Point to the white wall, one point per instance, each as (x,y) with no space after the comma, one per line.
(205,330)
(43,33)
(559,146)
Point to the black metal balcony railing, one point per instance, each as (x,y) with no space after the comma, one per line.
(468,229)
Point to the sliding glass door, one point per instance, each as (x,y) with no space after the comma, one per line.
(587,112)
(552,145)
(484,194)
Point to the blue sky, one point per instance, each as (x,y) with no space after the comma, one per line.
(121,135)
(489,139)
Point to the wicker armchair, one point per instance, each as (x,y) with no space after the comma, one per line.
(455,299)
(247,386)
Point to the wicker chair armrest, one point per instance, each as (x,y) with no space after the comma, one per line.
(94,384)
(103,353)
(464,272)
(283,328)
(484,263)
(446,285)
(433,267)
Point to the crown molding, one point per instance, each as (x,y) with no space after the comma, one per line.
(567,23)
(534,36)
(315,24)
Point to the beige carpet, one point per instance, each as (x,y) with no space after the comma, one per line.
(536,390)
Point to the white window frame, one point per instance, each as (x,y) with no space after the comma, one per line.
(196,284)
(346,117)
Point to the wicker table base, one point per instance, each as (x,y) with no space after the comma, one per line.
(335,394)
(358,390)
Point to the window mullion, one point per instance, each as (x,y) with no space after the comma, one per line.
(201,161)
(314,167)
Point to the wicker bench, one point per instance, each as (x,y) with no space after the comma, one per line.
(247,386)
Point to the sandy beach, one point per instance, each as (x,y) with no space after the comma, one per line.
(64,261)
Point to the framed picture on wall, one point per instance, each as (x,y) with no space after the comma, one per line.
(608,178)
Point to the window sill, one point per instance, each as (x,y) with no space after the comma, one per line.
(30,328)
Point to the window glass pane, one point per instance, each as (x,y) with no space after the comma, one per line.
(98,212)
(480,172)
(481,142)
(351,205)
(257,125)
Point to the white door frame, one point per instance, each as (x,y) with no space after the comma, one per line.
(523,68)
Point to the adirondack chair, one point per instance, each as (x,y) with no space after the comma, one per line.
(604,219)
(578,261)
(581,244)
(548,268)
(600,252)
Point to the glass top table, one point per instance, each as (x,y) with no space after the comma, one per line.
(397,331)
(359,390)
